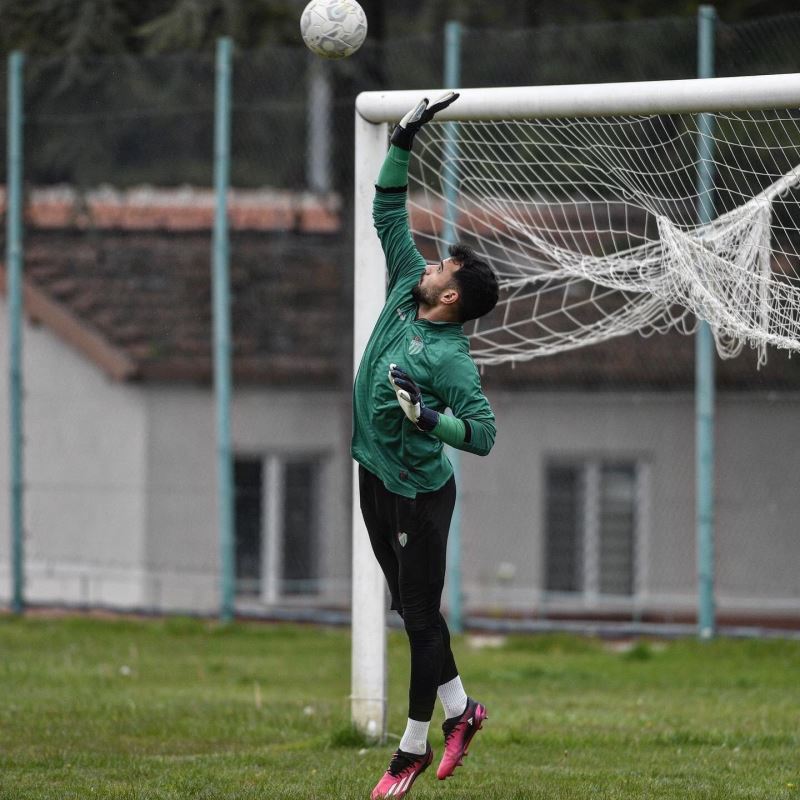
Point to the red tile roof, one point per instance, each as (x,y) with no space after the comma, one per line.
(181,209)
(126,278)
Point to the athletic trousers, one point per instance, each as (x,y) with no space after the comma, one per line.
(409,539)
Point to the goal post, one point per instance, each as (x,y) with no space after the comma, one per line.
(669,269)
(368,614)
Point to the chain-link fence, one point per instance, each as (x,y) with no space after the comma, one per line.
(565,518)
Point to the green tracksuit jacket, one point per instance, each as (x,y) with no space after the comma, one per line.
(435,355)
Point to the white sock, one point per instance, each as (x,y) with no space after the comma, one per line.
(415,739)
(453,697)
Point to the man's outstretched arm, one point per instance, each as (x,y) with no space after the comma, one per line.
(389,207)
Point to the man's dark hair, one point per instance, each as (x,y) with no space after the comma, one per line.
(476,283)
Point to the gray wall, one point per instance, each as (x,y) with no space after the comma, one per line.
(757,503)
(120,481)
(84,468)
(182,542)
(758,507)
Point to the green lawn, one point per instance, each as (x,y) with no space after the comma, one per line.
(188,709)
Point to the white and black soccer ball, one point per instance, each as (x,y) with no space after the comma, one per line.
(333,28)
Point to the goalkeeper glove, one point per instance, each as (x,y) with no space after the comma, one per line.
(410,399)
(403,135)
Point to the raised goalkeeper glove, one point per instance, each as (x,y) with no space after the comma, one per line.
(410,399)
(403,135)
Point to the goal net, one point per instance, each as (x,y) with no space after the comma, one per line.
(592,225)
(607,210)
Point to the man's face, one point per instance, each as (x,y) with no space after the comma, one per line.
(436,279)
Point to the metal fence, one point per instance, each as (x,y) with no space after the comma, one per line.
(118,422)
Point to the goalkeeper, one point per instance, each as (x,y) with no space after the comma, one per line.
(415,365)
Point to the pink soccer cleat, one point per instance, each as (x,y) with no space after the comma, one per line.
(403,770)
(458,733)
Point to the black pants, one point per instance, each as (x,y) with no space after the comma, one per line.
(409,539)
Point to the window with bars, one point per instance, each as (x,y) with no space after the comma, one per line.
(276,526)
(564,538)
(300,528)
(248,502)
(591,526)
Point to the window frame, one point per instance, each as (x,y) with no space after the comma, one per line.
(272,588)
(589,467)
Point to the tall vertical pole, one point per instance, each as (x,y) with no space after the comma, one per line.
(14,259)
(704,350)
(450,176)
(369,672)
(222,334)
(319,116)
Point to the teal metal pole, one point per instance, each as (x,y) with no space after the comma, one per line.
(14,262)
(222,334)
(452,79)
(704,350)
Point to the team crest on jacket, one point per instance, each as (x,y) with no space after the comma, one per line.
(415,346)
(402,538)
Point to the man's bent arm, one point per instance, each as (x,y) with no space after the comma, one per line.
(471,435)
(472,426)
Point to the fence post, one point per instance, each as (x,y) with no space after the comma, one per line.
(452,79)
(704,350)
(14,265)
(222,334)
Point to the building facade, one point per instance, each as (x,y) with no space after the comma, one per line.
(585,507)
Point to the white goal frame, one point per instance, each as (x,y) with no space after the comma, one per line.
(374,112)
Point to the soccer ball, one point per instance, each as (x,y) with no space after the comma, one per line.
(333,28)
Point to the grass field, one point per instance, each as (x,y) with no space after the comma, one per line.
(181,708)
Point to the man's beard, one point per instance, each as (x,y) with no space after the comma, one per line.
(424,297)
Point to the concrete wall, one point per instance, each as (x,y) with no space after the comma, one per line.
(120,481)
(182,541)
(84,468)
(181,552)
(757,503)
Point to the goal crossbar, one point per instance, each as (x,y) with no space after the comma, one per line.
(752,92)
